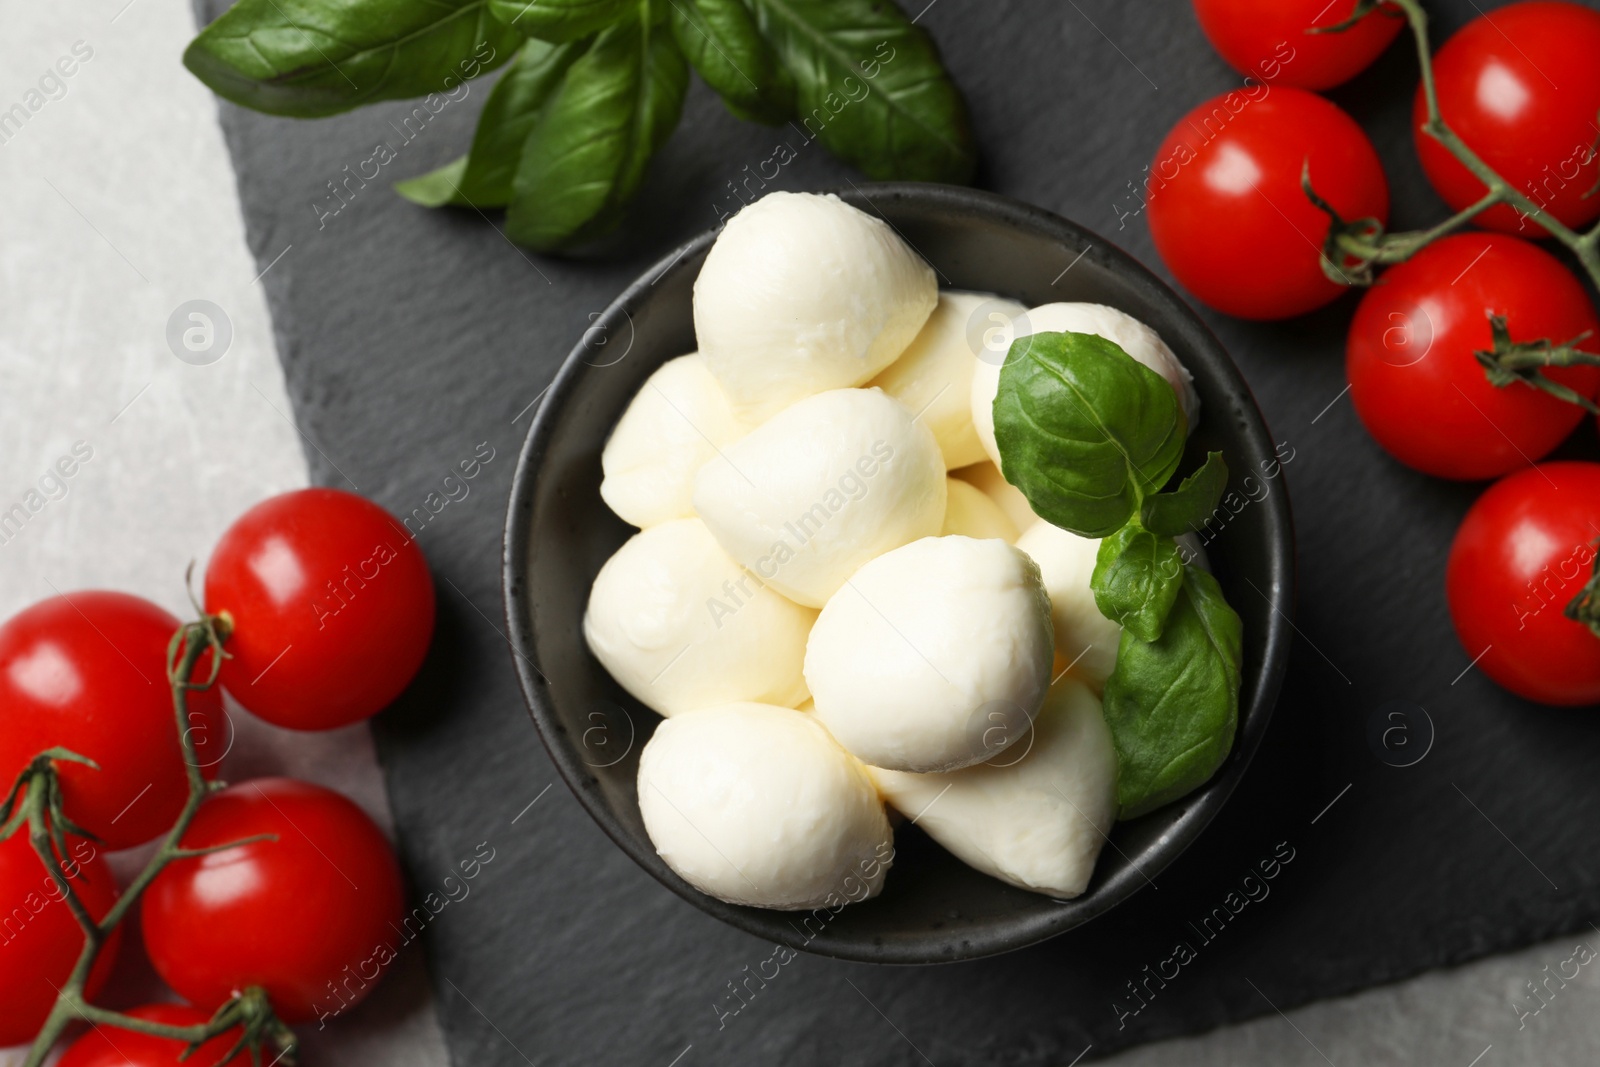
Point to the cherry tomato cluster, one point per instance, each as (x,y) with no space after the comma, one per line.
(1473,355)
(324,608)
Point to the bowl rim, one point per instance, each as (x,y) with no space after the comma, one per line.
(773,925)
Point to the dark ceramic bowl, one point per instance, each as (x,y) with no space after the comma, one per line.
(558,533)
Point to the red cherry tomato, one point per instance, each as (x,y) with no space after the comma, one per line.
(1521,86)
(1523,552)
(331,604)
(1418,387)
(312,917)
(1269,39)
(88,672)
(110,1046)
(39,939)
(1226,208)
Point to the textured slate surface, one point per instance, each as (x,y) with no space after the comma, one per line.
(411,339)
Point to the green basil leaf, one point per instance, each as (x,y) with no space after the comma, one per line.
(1173,704)
(559,20)
(585,158)
(308,58)
(1191,504)
(482,178)
(721,41)
(1137,575)
(438,187)
(871,88)
(1085,430)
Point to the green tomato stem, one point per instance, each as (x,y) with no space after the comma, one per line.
(1369,246)
(47,822)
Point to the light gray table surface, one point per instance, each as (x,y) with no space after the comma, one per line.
(119,205)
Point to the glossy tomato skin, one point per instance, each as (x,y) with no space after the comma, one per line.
(312,917)
(115,1047)
(39,939)
(87,671)
(1525,549)
(1418,387)
(1268,39)
(1227,212)
(1521,86)
(332,608)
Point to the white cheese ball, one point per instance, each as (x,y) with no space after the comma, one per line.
(1034,817)
(1134,337)
(1085,639)
(935,656)
(757,805)
(821,488)
(933,377)
(681,626)
(677,421)
(802,293)
(986,477)
(968,512)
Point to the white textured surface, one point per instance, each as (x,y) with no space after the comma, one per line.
(120,206)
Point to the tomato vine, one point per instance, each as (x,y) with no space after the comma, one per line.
(1356,246)
(34,802)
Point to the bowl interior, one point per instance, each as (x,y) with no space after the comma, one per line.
(559,533)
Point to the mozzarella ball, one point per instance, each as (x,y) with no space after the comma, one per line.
(681,626)
(1134,337)
(1034,817)
(822,487)
(968,512)
(935,656)
(1085,639)
(986,477)
(757,805)
(677,421)
(802,293)
(933,377)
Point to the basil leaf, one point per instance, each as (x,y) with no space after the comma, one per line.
(559,20)
(1173,704)
(722,43)
(308,58)
(1191,504)
(1085,430)
(1137,575)
(871,88)
(438,187)
(482,178)
(587,155)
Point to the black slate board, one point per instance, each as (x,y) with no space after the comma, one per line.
(411,337)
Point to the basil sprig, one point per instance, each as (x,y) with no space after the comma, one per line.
(1091,437)
(1085,431)
(1136,579)
(559,20)
(871,88)
(587,154)
(1173,704)
(482,177)
(721,40)
(310,58)
(1191,504)
(1139,568)
(567,135)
